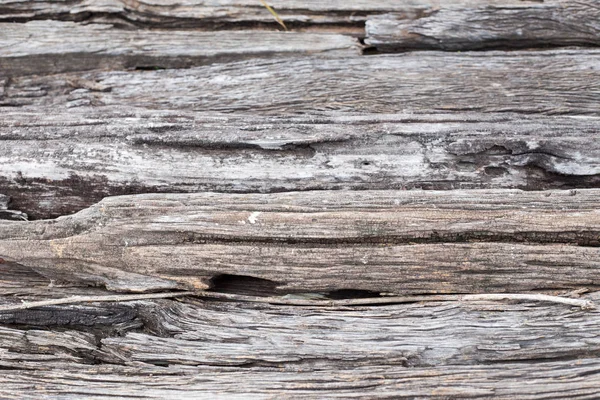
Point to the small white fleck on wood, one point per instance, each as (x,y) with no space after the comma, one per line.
(253,216)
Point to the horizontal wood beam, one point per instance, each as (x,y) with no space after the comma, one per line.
(401,242)
(341,15)
(538,380)
(474,349)
(488,26)
(47,47)
(526,82)
(415,335)
(129,150)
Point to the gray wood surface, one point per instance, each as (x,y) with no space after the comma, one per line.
(549,82)
(543,24)
(276,177)
(46,47)
(400,242)
(544,380)
(113,151)
(188,347)
(338,15)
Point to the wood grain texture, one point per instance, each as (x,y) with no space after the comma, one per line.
(340,15)
(540,380)
(411,336)
(46,47)
(549,82)
(168,348)
(55,163)
(301,161)
(382,241)
(158,349)
(414,336)
(555,23)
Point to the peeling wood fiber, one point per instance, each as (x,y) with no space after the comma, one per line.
(56,163)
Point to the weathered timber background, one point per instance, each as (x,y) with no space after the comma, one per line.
(391,199)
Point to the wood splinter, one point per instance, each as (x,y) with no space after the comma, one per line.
(583,304)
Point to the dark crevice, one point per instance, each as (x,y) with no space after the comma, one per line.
(104,321)
(503,150)
(581,238)
(252,286)
(541,152)
(366,49)
(484,46)
(305,361)
(148,68)
(572,355)
(12,215)
(346,294)
(132,21)
(284,149)
(244,285)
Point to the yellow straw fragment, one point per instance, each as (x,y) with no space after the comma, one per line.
(277,17)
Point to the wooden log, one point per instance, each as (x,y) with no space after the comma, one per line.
(382,241)
(549,82)
(450,349)
(414,336)
(555,23)
(540,380)
(114,152)
(471,349)
(341,15)
(46,47)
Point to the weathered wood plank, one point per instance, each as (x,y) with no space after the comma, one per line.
(380,241)
(114,152)
(46,47)
(333,244)
(541,380)
(343,15)
(450,350)
(414,335)
(228,340)
(549,82)
(555,23)
(549,349)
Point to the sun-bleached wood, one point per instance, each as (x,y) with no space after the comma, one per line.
(483,27)
(337,15)
(187,346)
(525,82)
(553,380)
(46,47)
(286,287)
(129,150)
